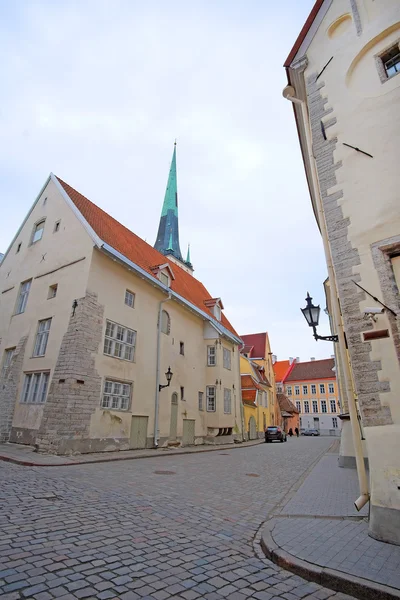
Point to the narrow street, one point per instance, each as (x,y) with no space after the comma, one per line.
(169,527)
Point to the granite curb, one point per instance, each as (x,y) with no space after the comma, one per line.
(151,454)
(329,578)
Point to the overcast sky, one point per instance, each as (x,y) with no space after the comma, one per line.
(97,91)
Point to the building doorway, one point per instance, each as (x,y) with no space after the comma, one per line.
(252,429)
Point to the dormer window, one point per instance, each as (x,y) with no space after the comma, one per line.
(163,277)
(164,273)
(215,305)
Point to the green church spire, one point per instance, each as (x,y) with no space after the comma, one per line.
(188,255)
(168,231)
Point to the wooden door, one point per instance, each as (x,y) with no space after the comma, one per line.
(188,432)
(138,432)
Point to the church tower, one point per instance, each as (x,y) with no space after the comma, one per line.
(168,230)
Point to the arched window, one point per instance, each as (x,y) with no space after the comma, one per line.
(165,322)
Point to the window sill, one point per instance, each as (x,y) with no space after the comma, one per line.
(119,358)
(121,410)
(38,356)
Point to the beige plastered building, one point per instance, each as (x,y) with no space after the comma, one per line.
(91,319)
(344,83)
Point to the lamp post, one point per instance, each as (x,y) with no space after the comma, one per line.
(311,315)
(168,375)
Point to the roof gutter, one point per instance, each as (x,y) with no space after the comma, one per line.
(115,255)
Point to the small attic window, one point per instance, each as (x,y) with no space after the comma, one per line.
(163,277)
(217,312)
(37,232)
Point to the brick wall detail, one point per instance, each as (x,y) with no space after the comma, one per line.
(9,380)
(70,404)
(345,259)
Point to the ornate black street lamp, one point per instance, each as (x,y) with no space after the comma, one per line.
(311,315)
(168,375)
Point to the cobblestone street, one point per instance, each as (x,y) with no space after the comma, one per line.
(168,527)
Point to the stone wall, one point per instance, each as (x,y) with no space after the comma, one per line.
(76,386)
(345,261)
(9,380)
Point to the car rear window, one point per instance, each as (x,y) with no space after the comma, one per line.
(272,428)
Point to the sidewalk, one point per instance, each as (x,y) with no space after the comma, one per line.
(319,535)
(25,455)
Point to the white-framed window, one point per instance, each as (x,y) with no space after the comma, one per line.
(23,296)
(279,388)
(201,400)
(119,341)
(42,337)
(305,390)
(116,395)
(211,356)
(57,226)
(297,390)
(165,322)
(211,392)
(52,291)
(315,406)
(289,390)
(298,405)
(331,388)
(182,348)
(227,401)
(306,406)
(8,356)
(323,406)
(130,299)
(164,278)
(313,388)
(227,359)
(322,388)
(333,406)
(37,232)
(334,422)
(35,387)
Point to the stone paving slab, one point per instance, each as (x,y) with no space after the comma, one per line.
(26,455)
(182,527)
(342,545)
(319,531)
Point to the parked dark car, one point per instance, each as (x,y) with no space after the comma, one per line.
(275,433)
(311,432)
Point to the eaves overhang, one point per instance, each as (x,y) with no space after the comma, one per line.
(115,255)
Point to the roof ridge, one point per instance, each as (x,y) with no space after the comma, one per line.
(163,256)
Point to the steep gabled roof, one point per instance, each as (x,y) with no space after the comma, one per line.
(282,369)
(314,369)
(257,341)
(285,404)
(131,246)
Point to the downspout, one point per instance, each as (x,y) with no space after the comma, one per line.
(289,94)
(240,393)
(258,411)
(157,400)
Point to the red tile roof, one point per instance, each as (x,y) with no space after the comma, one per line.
(282,369)
(139,252)
(285,404)
(257,340)
(249,397)
(314,369)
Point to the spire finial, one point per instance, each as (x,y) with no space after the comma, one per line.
(188,255)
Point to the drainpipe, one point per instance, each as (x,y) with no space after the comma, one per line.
(289,94)
(240,392)
(157,400)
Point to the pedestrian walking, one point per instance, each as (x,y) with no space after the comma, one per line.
(290,432)
(296,430)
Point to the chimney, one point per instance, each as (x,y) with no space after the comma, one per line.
(312,358)
(274,359)
(291,360)
(297,359)
(332,356)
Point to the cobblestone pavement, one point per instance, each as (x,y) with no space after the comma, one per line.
(172,527)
